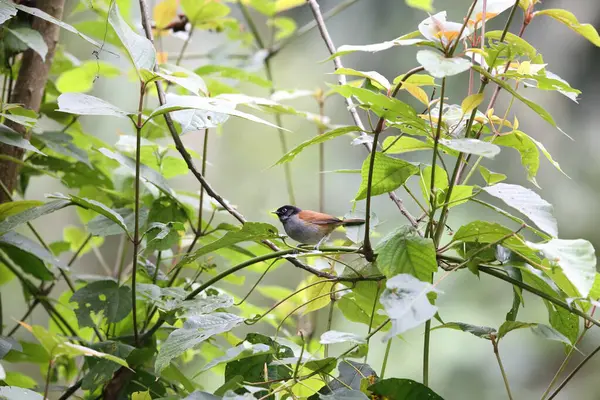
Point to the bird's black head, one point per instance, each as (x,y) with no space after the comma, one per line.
(285,212)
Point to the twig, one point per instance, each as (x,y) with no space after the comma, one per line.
(572,374)
(71,391)
(502,371)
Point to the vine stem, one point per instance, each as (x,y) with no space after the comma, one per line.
(136,233)
(502,371)
(575,371)
(432,190)
(385,358)
(48,375)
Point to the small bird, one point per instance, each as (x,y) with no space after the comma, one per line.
(310,227)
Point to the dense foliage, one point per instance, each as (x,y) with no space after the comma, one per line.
(134,332)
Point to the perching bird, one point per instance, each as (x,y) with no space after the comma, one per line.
(310,227)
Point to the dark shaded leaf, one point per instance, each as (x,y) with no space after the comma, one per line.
(29,255)
(403,389)
(483,332)
(10,137)
(30,214)
(106,296)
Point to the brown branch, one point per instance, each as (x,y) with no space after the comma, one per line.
(29,88)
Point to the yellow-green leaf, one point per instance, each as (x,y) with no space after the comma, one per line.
(471,102)
(567,18)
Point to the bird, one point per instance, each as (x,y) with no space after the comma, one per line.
(310,227)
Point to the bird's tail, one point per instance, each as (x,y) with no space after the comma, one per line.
(353,222)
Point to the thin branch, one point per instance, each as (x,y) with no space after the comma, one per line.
(502,371)
(575,371)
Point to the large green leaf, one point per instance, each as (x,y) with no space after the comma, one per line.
(439,66)
(244,350)
(529,203)
(96,206)
(332,337)
(84,104)
(402,389)
(290,155)
(194,120)
(32,38)
(388,175)
(508,326)
(10,137)
(7,11)
(375,47)
(29,255)
(249,232)
(14,220)
(105,296)
(570,21)
(195,331)
(102,370)
(406,303)
(491,232)
(81,78)
(406,252)
(576,258)
(404,144)
(139,49)
(530,157)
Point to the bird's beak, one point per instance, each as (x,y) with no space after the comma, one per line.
(274,212)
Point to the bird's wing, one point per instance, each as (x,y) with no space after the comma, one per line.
(318,218)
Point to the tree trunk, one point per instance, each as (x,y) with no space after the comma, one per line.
(29,88)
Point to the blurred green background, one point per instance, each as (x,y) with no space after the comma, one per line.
(240,156)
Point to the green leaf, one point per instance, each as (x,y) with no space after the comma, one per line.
(29,255)
(529,203)
(406,252)
(215,105)
(101,370)
(139,49)
(402,389)
(244,350)
(147,174)
(174,299)
(548,156)
(204,12)
(105,296)
(439,66)
(406,303)
(285,26)
(20,380)
(103,226)
(141,395)
(333,337)
(95,206)
(84,104)
(170,215)
(550,333)
(460,195)
(316,294)
(343,393)
(10,137)
(15,207)
(521,44)
(233,73)
(490,232)
(483,332)
(491,178)
(508,326)
(63,143)
(388,175)
(12,221)
(506,86)
(471,102)
(472,146)
(576,258)
(351,377)
(530,157)
(7,344)
(81,78)
(374,76)
(195,331)
(32,38)
(46,17)
(16,393)
(249,232)
(315,140)
(569,20)
(404,144)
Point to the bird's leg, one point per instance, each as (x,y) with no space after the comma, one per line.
(324,239)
